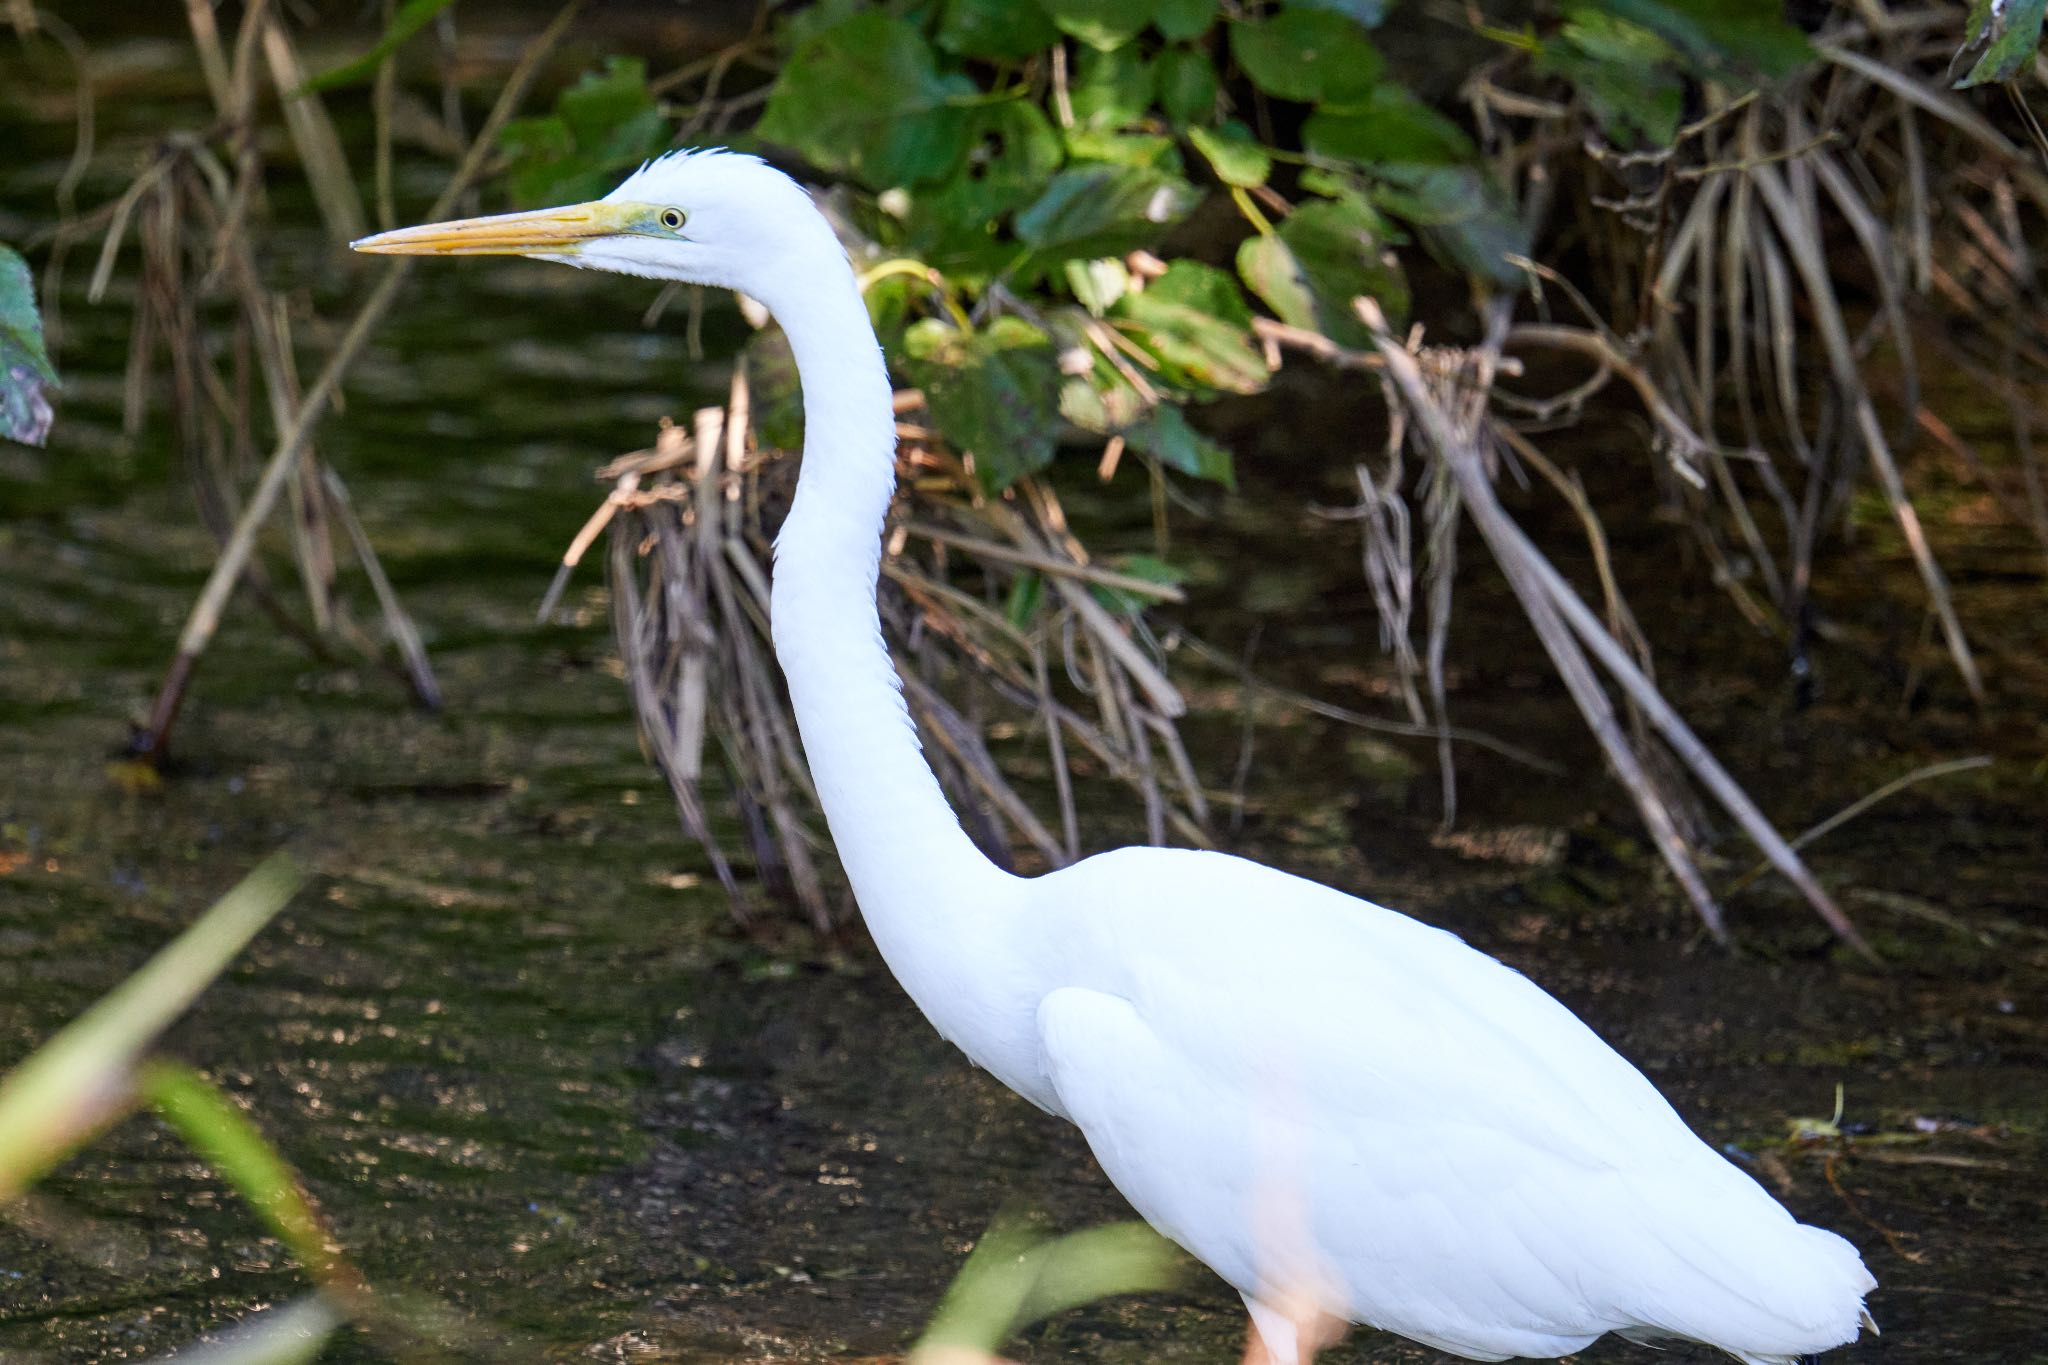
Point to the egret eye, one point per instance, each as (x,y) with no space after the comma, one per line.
(672,219)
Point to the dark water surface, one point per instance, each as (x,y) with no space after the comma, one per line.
(513,1044)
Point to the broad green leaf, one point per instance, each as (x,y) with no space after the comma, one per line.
(2010,33)
(26,375)
(1203,286)
(1388,125)
(410,18)
(1182,20)
(994,394)
(865,97)
(1628,75)
(1012,151)
(603,125)
(1233,154)
(1308,55)
(1101,210)
(1102,24)
(1341,257)
(1267,265)
(1167,437)
(1187,85)
(1154,152)
(1196,349)
(1112,89)
(995,30)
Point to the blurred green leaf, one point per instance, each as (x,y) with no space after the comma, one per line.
(1101,210)
(1268,266)
(1625,71)
(865,96)
(996,30)
(605,124)
(1101,24)
(26,374)
(1099,283)
(1102,402)
(215,1127)
(1111,89)
(410,18)
(1307,55)
(1728,37)
(777,396)
(994,393)
(1341,256)
(1015,1277)
(2009,32)
(1387,125)
(1187,84)
(1462,212)
(1182,20)
(1194,321)
(83,1076)
(1233,154)
(1167,437)
(1012,152)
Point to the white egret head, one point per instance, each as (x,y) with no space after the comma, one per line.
(714,218)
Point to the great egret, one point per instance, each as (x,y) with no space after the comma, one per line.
(1344,1112)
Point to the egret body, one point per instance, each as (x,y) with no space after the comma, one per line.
(1342,1111)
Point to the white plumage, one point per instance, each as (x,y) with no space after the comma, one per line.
(1338,1109)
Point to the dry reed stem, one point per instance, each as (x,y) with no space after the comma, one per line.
(284,461)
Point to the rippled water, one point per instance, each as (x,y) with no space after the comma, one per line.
(511,1041)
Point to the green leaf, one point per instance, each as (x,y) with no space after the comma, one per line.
(1341,256)
(1102,402)
(1727,37)
(1167,437)
(1012,151)
(1197,349)
(26,374)
(1463,213)
(603,125)
(1308,55)
(1102,211)
(1102,24)
(1181,20)
(1112,89)
(1628,74)
(411,17)
(2010,34)
(993,393)
(1268,265)
(1233,154)
(865,97)
(1203,286)
(1099,283)
(1388,125)
(776,394)
(996,30)
(1187,84)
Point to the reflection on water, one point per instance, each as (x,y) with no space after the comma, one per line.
(511,1042)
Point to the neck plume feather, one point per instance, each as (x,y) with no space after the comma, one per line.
(910,863)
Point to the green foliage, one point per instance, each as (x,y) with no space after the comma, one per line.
(602,127)
(2008,32)
(26,374)
(1013,153)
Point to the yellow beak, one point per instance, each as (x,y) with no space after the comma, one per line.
(551,232)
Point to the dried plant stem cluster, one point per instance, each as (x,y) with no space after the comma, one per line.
(999,622)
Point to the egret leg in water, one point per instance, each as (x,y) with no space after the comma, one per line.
(1467,1163)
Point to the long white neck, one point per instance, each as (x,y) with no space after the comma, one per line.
(939,910)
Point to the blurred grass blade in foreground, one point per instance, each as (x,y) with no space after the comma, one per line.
(84,1077)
